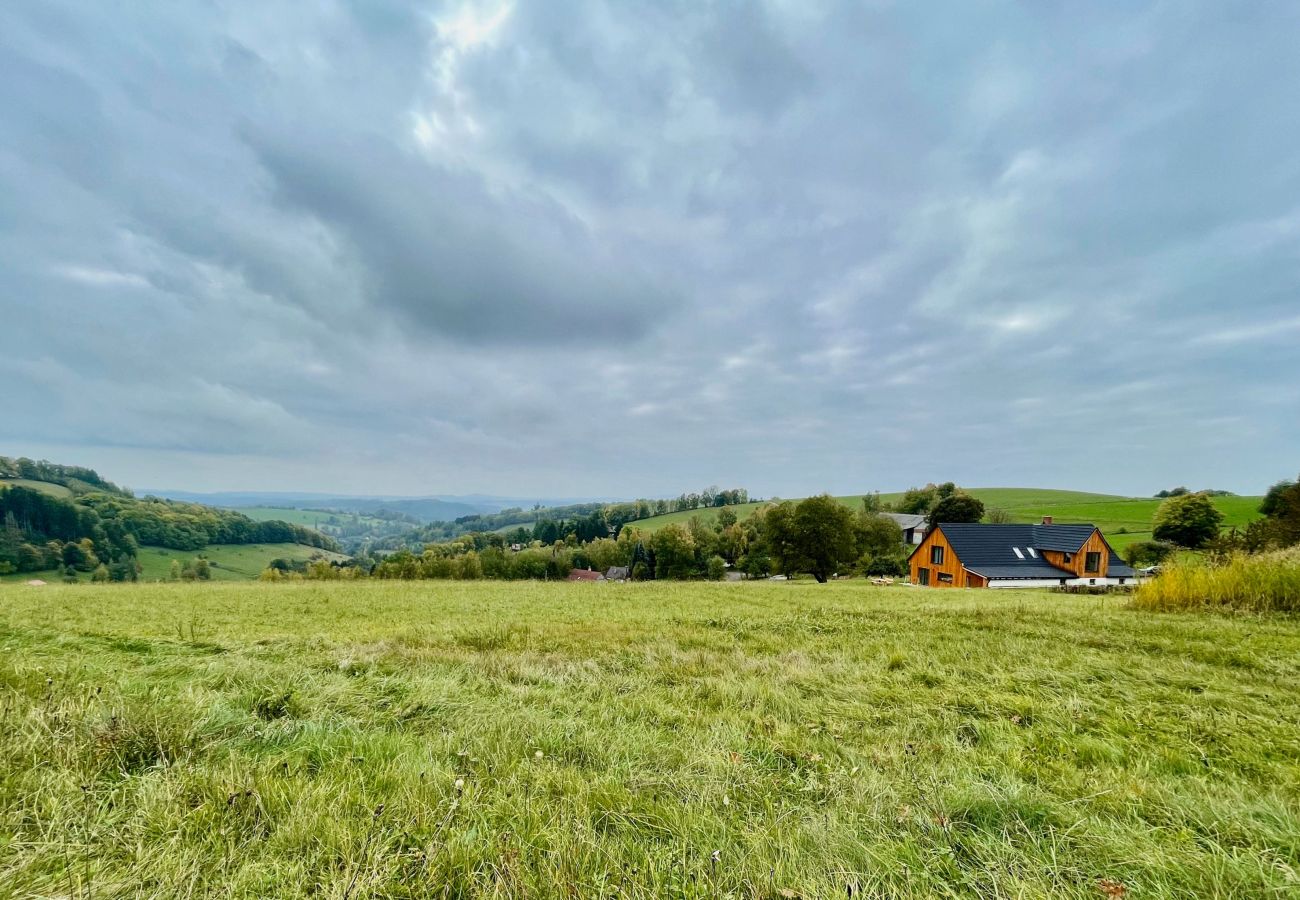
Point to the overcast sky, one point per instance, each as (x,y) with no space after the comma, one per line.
(632,248)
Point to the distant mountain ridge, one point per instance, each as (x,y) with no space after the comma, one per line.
(436,508)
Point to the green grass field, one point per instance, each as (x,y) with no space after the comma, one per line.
(310,518)
(1122,519)
(45,487)
(444,739)
(230,562)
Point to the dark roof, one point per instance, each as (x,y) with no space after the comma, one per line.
(618,572)
(987,549)
(1036,570)
(906,520)
(1118,568)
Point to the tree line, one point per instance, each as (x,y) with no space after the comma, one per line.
(586,521)
(818,536)
(39,531)
(72,477)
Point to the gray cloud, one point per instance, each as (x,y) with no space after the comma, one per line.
(447,255)
(624,248)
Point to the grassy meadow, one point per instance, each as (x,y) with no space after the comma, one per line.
(310,518)
(1122,519)
(761,740)
(230,562)
(45,487)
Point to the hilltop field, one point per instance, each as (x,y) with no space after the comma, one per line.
(759,740)
(1121,519)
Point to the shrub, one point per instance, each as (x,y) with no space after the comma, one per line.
(716,569)
(1147,553)
(883,564)
(1267,582)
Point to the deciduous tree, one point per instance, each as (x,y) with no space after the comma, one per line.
(1188,520)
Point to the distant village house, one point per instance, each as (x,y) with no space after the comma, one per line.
(913,526)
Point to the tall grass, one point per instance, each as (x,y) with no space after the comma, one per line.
(348,740)
(1268,582)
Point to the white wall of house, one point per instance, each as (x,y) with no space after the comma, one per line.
(1056,582)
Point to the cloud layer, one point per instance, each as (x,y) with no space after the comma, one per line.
(611,248)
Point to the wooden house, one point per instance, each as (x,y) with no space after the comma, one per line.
(1004,556)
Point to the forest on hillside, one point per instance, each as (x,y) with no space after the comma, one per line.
(99,523)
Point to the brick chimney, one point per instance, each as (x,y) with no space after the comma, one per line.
(1047,520)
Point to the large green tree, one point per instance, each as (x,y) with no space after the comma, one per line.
(674,552)
(957,507)
(816,536)
(1281,508)
(1188,520)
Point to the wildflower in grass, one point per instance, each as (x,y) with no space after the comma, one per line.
(1111,888)
(460,785)
(538,754)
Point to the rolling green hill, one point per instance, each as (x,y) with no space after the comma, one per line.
(230,562)
(1122,519)
(311,518)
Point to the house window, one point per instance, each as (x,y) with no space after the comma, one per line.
(1016,551)
(1062,582)
(1092,581)
(936,555)
(945,578)
(1122,580)
(1031,552)
(1092,562)
(923,576)
(1069,557)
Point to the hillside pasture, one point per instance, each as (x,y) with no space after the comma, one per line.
(753,740)
(45,487)
(230,562)
(1122,519)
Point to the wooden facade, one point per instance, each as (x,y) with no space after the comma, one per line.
(934,573)
(1078,562)
(951,573)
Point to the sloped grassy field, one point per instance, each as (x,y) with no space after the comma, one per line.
(662,740)
(230,562)
(1122,519)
